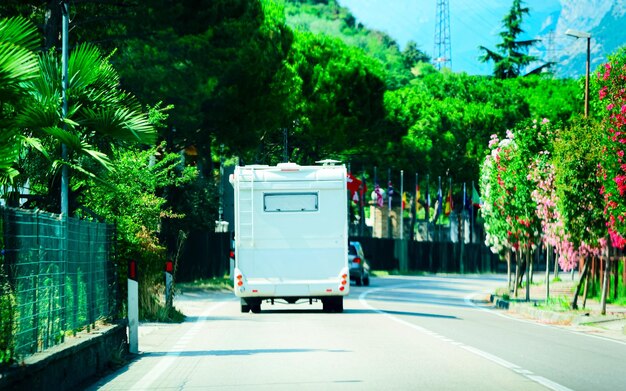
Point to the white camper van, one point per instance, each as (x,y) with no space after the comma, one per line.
(291,235)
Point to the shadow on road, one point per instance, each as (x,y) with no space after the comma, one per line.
(243,352)
(404,313)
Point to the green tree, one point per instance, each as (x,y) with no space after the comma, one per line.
(577,150)
(220,63)
(131,200)
(510,211)
(341,99)
(18,65)
(412,55)
(100,114)
(510,57)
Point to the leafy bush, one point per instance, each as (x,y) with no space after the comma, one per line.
(131,199)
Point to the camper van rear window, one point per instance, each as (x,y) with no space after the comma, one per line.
(290,202)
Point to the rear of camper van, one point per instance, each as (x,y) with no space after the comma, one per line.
(291,235)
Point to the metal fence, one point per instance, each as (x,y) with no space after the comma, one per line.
(61,273)
(458,246)
(205,255)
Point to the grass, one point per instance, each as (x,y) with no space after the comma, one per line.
(557,304)
(213,284)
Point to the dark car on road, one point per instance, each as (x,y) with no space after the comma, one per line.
(359,268)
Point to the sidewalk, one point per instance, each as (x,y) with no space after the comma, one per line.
(588,320)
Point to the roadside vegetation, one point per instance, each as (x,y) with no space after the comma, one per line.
(161,97)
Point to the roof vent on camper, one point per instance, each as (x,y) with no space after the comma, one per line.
(328,162)
(288,167)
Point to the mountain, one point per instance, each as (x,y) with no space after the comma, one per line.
(604,20)
(478,23)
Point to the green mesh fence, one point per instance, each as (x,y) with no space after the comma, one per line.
(61,273)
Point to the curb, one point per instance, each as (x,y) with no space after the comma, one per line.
(562,318)
(68,365)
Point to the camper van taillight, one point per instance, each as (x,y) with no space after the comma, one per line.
(356,260)
(344,282)
(239,280)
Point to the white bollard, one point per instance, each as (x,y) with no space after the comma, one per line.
(133,309)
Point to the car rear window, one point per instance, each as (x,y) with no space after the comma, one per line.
(351,250)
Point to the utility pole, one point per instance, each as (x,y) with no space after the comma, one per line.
(65,23)
(443,50)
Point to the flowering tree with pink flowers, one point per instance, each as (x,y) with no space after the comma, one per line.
(554,234)
(612,79)
(611,82)
(510,213)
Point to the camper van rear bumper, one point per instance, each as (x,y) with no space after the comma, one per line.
(266,289)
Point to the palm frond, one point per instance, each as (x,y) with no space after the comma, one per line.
(122,124)
(57,164)
(20,32)
(36,144)
(71,140)
(9,153)
(98,156)
(90,72)
(39,115)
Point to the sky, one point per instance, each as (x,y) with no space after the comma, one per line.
(472,23)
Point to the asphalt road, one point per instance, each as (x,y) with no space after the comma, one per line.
(405,333)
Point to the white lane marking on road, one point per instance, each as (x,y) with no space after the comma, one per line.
(170,357)
(495,359)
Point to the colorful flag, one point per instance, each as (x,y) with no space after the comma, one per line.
(363,190)
(476,201)
(439,203)
(449,206)
(427,199)
(379,196)
(354,184)
(404,200)
(417,192)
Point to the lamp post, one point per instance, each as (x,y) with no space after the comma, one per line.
(580,34)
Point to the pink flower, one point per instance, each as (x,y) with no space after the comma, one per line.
(607,71)
(623,110)
(620,180)
(603,92)
(610,106)
(545,121)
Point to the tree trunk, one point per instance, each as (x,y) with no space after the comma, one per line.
(586,289)
(615,278)
(577,291)
(52,26)
(547,273)
(605,282)
(517,272)
(529,267)
(508,269)
(556,267)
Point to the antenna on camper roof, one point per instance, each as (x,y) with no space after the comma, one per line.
(328,162)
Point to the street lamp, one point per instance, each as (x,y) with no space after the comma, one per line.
(581,34)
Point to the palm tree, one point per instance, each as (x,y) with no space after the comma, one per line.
(100,114)
(18,65)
